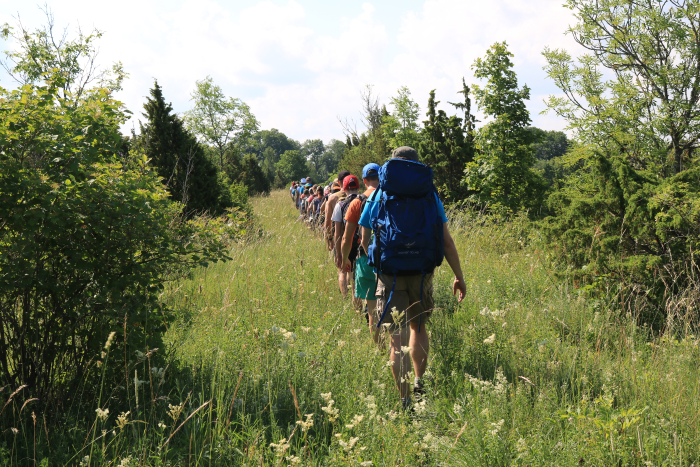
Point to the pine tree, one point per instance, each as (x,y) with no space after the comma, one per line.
(189,176)
(448,145)
(253,176)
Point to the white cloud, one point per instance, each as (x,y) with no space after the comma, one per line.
(299,80)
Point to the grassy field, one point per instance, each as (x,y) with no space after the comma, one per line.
(268,365)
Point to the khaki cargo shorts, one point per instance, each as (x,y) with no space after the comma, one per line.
(406,298)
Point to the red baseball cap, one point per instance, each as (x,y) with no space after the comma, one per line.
(351,183)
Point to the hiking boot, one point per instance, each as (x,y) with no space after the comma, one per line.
(407,404)
(418,389)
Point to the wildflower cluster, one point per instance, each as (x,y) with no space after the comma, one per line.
(123,420)
(492,314)
(102,414)
(329,409)
(175,410)
(305,425)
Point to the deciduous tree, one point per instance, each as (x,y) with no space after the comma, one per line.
(218,120)
(501,173)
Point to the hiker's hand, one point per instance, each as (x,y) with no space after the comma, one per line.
(347,265)
(460,285)
(329,243)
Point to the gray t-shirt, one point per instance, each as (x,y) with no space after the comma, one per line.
(337,213)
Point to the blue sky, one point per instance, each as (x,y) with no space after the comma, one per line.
(301,64)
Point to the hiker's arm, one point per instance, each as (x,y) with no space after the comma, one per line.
(452,258)
(329,213)
(366,236)
(347,244)
(336,243)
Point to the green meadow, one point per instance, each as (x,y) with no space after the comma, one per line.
(267,364)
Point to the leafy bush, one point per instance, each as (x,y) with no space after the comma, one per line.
(87,241)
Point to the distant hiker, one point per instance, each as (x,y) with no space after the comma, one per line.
(351,186)
(316,207)
(292,189)
(352,246)
(410,239)
(322,207)
(336,195)
(299,191)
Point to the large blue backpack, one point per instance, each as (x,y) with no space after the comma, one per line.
(408,235)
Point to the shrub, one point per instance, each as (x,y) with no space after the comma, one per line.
(86,241)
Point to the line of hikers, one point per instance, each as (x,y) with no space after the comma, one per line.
(386,242)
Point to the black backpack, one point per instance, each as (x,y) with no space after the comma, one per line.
(344,206)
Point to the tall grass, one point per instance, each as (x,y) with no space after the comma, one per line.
(268,365)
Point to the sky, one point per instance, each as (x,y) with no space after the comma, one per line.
(302,64)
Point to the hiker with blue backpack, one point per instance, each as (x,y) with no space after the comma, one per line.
(411,239)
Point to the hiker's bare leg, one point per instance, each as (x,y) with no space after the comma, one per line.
(373,331)
(356,301)
(343,282)
(419,348)
(401,365)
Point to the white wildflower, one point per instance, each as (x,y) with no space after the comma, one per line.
(175,410)
(396,315)
(161,425)
(305,425)
(406,349)
(356,420)
(496,427)
(123,420)
(490,340)
(126,462)
(108,344)
(280,447)
(102,414)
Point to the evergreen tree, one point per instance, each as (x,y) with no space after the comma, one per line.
(448,145)
(187,173)
(252,176)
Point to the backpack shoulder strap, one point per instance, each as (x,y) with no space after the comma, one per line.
(346,203)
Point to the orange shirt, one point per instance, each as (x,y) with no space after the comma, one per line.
(353,213)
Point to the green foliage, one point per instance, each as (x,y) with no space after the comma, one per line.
(648,111)
(268,146)
(448,145)
(356,157)
(526,371)
(548,145)
(629,212)
(292,166)
(87,242)
(190,177)
(312,150)
(70,62)
(401,125)
(615,223)
(501,173)
(372,145)
(218,120)
(253,176)
(331,158)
